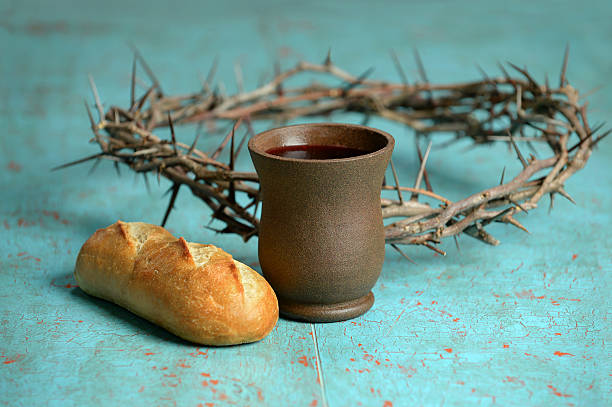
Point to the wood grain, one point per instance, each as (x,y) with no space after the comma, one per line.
(525,323)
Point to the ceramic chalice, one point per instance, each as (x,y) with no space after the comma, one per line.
(321,237)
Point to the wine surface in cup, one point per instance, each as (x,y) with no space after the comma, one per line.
(316,152)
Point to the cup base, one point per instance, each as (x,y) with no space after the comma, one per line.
(326,312)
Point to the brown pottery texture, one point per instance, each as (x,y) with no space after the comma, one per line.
(321,237)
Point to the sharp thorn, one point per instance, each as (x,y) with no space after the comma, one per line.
(578,144)
(82,160)
(256,205)
(421,69)
(210,221)
(525,74)
(456,243)
(277,72)
(94,166)
(497,217)
(425,175)
(241,144)
(515,203)
(133,84)
(90,115)
(398,67)
(172,133)
(211,74)
(532,148)
(516,223)
(146,180)
(116,164)
(195,141)
(567,196)
(417,183)
(146,67)
(231,157)
(175,190)
(501,181)
(593,143)
(483,73)
(504,72)
(435,249)
(239,78)
(420,66)
(400,251)
(601,137)
(144,98)
(358,81)
(94,90)
(477,232)
(328,60)
(219,149)
(213,229)
(518,152)
(562,79)
(597,127)
(250,126)
(232,188)
(167,191)
(552,202)
(397,184)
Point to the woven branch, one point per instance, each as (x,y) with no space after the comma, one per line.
(494,109)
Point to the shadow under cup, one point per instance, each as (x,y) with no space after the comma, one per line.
(321,236)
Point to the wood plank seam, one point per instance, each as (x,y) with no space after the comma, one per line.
(319,366)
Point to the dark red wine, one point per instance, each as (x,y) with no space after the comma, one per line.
(316,152)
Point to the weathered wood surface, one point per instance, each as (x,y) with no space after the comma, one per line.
(524,323)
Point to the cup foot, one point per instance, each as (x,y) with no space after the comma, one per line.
(326,312)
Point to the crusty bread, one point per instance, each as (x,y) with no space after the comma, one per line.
(196,291)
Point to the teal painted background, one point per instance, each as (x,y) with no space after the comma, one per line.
(525,323)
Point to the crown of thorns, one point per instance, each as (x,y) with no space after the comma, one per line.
(516,110)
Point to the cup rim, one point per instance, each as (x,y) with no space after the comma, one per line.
(390,142)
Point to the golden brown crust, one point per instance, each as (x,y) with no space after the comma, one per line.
(198,292)
(122,227)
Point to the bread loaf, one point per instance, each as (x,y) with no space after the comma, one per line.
(196,291)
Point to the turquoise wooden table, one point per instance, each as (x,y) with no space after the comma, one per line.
(524,323)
